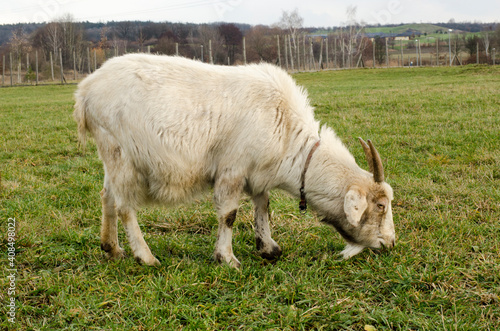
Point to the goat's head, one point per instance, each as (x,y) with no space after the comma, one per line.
(367,218)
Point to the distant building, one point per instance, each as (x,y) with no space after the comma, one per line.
(407,35)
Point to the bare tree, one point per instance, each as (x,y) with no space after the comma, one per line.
(71,35)
(486,42)
(166,43)
(20,46)
(19,42)
(351,36)
(292,22)
(63,34)
(141,37)
(192,43)
(233,38)
(116,43)
(125,30)
(209,34)
(53,37)
(80,51)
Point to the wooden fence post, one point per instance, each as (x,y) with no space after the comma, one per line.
(286,52)
(335,64)
(291,51)
(3,70)
(201,46)
(19,71)
(74,65)
(36,66)
(327,60)
(437,51)
(89,64)
(402,55)
(177,49)
(350,57)
(343,53)
(210,57)
(10,67)
(304,62)
(320,63)
(419,53)
(95,59)
(416,53)
(61,63)
(477,53)
(373,44)
(244,51)
(279,50)
(311,55)
(386,53)
(297,52)
(52,66)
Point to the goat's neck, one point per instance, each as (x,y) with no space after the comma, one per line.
(330,175)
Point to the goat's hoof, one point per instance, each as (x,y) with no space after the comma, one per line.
(151,261)
(272,255)
(230,260)
(269,250)
(113,252)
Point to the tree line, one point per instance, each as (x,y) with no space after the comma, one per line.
(84,46)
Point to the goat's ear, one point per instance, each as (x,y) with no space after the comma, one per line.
(355,205)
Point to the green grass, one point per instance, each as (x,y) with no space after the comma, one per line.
(438,131)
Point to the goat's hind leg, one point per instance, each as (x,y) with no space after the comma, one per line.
(109,230)
(122,184)
(140,248)
(266,246)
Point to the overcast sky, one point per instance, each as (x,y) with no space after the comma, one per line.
(316,13)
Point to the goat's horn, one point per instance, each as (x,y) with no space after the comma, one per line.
(368,154)
(378,168)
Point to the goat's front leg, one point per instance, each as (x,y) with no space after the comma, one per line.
(266,246)
(227,193)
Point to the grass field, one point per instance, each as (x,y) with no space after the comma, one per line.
(438,131)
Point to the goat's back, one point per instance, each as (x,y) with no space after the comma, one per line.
(181,121)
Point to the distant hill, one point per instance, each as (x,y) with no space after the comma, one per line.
(469,26)
(428,29)
(421,28)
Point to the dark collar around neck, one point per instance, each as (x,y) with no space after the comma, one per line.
(303,203)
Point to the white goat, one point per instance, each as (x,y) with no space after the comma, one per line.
(168,128)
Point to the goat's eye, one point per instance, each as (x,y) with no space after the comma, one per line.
(380,206)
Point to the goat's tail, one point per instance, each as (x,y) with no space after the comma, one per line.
(80,118)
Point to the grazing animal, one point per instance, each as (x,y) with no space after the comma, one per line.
(169,128)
